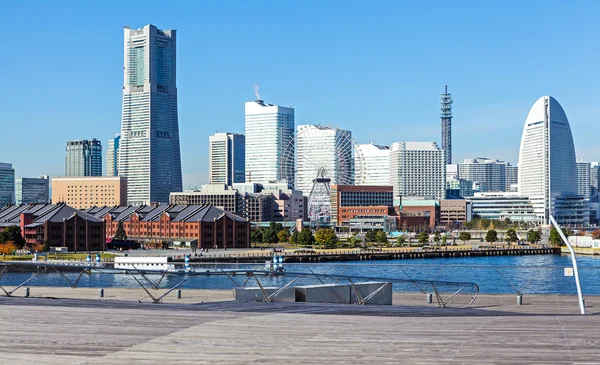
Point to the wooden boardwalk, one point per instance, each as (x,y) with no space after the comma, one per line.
(79,331)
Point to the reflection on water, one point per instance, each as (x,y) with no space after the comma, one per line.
(495,275)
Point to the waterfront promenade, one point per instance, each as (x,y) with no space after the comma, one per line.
(543,331)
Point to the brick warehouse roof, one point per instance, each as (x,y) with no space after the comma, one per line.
(10,215)
(177,213)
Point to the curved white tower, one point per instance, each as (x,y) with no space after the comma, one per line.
(547,169)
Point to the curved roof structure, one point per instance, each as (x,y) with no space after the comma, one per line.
(547,166)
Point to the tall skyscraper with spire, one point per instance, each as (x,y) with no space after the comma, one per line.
(446,116)
(149,155)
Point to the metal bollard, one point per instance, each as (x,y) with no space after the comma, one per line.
(101,293)
(429,298)
(520,299)
(178,293)
(26,292)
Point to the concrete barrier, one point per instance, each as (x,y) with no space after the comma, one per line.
(254,294)
(326,293)
(383,296)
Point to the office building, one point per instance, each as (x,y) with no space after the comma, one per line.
(7,184)
(417,169)
(452,172)
(86,192)
(269,131)
(226,157)
(446,117)
(375,160)
(359,201)
(149,155)
(219,195)
(547,167)
(584,179)
(417,213)
(512,178)
(32,190)
(458,188)
(595,177)
(83,158)
(489,174)
(204,226)
(57,224)
(112,156)
(502,205)
(455,212)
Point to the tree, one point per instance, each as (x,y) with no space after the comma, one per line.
(401,241)
(437,237)
(8,248)
(13,235)
(120,235)
(256,235)
(381,237)
(596,234)
(533,236)
(511,236)
(464,236)
(492,226)
(370,236)
(283,235)
(444,240)
(294,238)
(305,237)
(423,237)
(491,236)
(325,237)
(554,237)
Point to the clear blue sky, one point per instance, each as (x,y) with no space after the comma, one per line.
(373,67)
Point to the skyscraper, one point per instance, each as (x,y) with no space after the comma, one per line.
(376,164)
(446,116)
(269,131)
(584,180)
(32,190)
(547,168)
(512,178)
(112,156)
(83,158)
(149,155)
(490,174)
(417,169)
(227,154)
(595,177)
(7,184)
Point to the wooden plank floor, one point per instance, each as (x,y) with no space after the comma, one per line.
(109,332)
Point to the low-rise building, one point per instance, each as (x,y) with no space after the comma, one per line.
(58,224)
(455,212)
(502,205)
(86,192)
(352,201)
(415,212)
(208,225)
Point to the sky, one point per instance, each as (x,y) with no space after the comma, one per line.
(373,67)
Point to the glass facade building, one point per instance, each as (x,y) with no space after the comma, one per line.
(83,158)
(112,156)
(32,190)
(227,154)
(7,184)
(149,151)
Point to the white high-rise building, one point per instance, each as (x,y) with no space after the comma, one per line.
(512,178)
(547,168)
(149,155)
(595,177)
(417,169)
(269,131)
(375,161)
(112,156)
(452,172)
(584,180)
(323,149)
(226,158)
(490,174)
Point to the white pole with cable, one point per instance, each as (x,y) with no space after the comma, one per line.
(574,260)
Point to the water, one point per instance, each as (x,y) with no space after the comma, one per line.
(543,274)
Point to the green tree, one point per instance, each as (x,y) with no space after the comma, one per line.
(12,234)
(437,237)
(491,236)
(444,240)
(305,237)
(464,236)
(555,237)
(294,238)
(46,246)
(381,237)
(511,236)
(326,237)
(533,236)
(120,235)
(256,235)
(423,237)
(401,241)
(283,235)
(370,236)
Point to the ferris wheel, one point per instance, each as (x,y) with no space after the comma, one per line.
(320,156)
